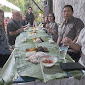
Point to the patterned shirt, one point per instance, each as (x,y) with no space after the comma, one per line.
(54,27)
(71,28)
(81,42)
(4,47)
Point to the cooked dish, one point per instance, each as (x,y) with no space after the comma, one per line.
(47,61)
(38,49)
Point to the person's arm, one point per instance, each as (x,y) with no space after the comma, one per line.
(33,23)
(11,29)
(17,31)
(68,42)
(59,40)
(24,26)
(74,41)
(50,30)
(75,46)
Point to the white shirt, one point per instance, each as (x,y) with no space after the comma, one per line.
(81,42)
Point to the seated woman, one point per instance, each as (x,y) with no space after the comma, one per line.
(4,48)
(46,21)
(52,27)
(42,22)
(79,46)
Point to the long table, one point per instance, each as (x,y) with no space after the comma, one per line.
(17,69)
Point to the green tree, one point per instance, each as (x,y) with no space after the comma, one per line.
(19,3)
(24,4)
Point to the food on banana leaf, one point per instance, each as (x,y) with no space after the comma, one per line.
(40,48)
(34,56)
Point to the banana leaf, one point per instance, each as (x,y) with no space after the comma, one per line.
(25,68)
(8,72)
(17,65)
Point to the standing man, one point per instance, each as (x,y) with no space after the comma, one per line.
(70,28)
(13,28)
(30,17)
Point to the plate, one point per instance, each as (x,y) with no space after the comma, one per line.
(48,61)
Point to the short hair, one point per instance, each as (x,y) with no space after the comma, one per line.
(1,10)
(69,7)
(30,7)
(15,12)
(53,15)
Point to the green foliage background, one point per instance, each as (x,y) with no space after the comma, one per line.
(24,4)
(36,11)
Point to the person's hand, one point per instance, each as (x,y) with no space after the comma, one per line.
(24,26)
(44,29)
(21,30)
(66,41)
(47,26)
(28,25)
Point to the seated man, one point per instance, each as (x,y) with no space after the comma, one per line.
(79,46)
(71,28)
(13,28)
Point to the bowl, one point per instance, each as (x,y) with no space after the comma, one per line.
(48,61)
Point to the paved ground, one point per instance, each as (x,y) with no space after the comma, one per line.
(24,84)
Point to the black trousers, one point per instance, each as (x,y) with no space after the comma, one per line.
(3,59)
(74,56)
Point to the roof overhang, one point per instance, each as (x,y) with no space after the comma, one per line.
(8,4)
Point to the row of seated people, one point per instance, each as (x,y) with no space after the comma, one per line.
(68,33)
(70,28)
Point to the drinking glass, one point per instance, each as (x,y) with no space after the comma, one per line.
(62,52)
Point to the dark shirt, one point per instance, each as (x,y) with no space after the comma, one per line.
(30,18)
(22,23)
(11,27)
(4,47)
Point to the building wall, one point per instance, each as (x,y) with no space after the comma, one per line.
(78,6)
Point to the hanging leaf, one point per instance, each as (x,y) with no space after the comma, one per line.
(41,12)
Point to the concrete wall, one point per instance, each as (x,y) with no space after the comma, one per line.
(78,6)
